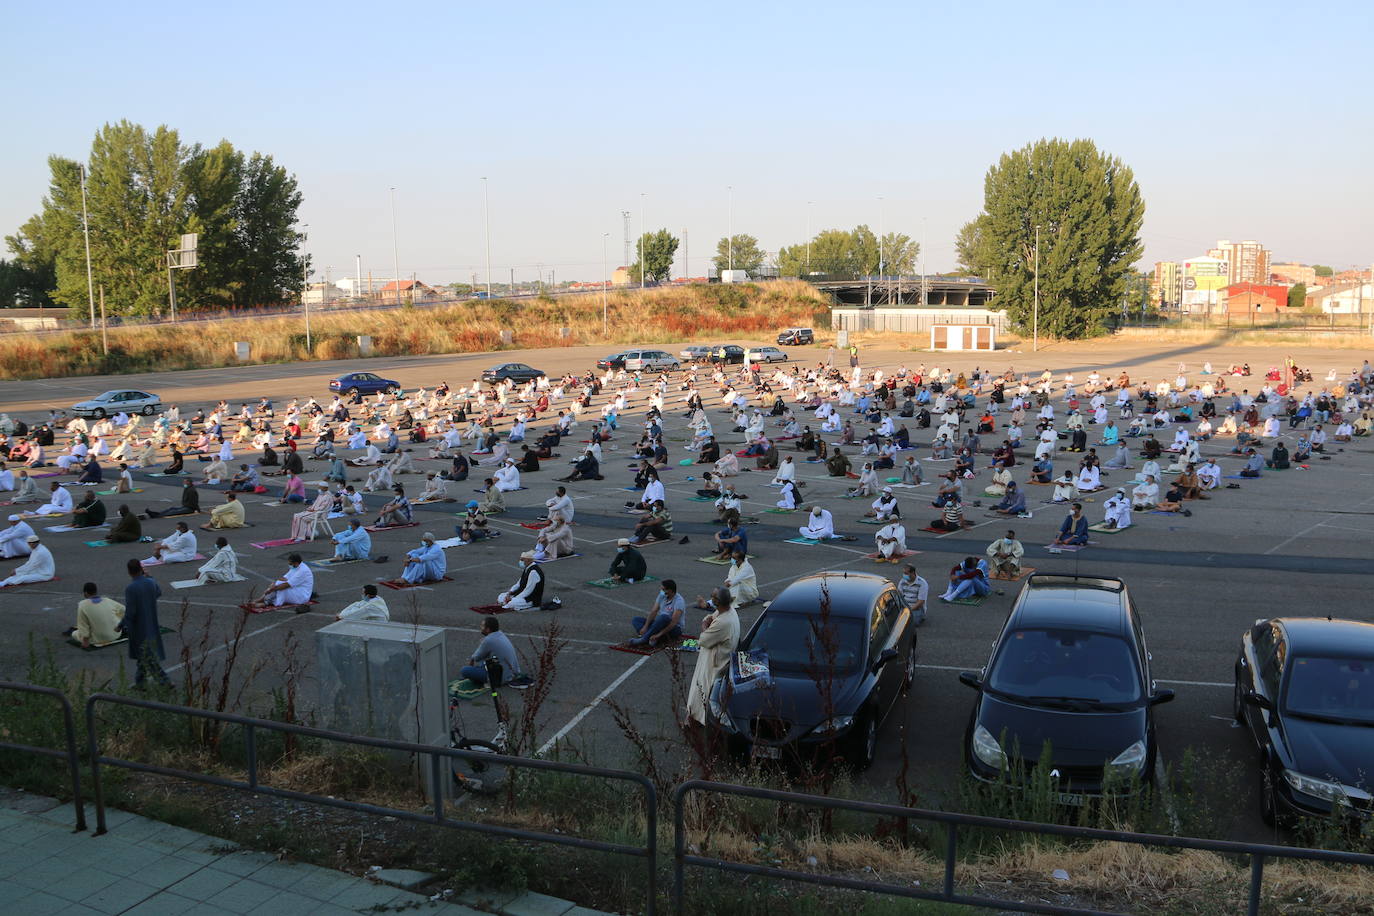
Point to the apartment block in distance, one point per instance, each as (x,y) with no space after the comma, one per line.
(1248,260)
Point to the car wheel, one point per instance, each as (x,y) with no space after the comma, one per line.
(909,671)
(352,392)
(864,746)
(147,410)
(1238,704)
(98,413)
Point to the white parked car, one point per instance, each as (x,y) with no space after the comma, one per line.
(642,360)
(765,355)
(696,353)
(122,401)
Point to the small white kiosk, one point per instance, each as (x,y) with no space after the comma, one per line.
(963,337)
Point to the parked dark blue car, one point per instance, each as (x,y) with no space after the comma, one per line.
(363,383)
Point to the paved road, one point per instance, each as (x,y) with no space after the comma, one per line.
(1294,543)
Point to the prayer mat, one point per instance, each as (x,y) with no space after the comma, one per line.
(685,461)
(29,515)
(688,645)
(701,499)
(72,640)
(446,543)
(98,543)
(851,496)
(970,600)
(612,583)
(1066,548)
(934,530)
(464,689)
(534,526)
(909,486)
(851,475)
(632,489)
(881,559)
(570,556)
(60,473)
(800,540)
(719,561)
(63,529)
(1102,526)
(871,521)
(281,542)
(330,562)
(398,585)
(374,528)
(894,479)
(490,609)
(1039,483)
(646,649)
(116,492)
(780,511)
(147,563)
(261,609)
(22,584)
(181,474)
(1166,512)
(1025,571)
(815,461)
(1237,477)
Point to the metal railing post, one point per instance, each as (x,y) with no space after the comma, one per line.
(93,749)
(436,786)
(250,745)
(69,734)
(651,846)
(951,850)
(679,844)
(1256,882)
(73,763)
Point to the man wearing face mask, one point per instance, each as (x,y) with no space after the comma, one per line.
(628,564)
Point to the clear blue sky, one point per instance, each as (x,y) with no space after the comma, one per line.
(1240,120)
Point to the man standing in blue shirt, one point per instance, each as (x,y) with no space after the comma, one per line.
(142,627)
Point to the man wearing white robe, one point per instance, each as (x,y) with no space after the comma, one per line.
(39,567)
(742,581)
(59,502)
(295,586)
(177,547)
(13,540)
(1145,495)
(434,490)
(819,525)
(222,567)
(1209,475)
(786,471)
(562,504)
(1117,511)
(521,596)
(507,478)
(1089,479)
(891,540)
(370,607)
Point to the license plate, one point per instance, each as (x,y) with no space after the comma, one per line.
(1068,798)
(768,753)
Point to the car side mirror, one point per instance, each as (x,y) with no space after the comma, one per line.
(884,657)
(969,679)
(1257,699)
(1162,696)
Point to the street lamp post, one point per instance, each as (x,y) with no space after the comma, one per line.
(605,281)
(395,250)
(1035,326)
(86,230)
(486,224)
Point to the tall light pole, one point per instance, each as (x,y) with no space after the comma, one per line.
(395,250)
(1035,327)
(486,224)
(86,228)
(605,281)
(730,233)
(882,219)
(305,270)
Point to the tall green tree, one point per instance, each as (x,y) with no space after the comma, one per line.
(144,189)
(967,248)
(747,254)
(1322,270)
(899,254)
(846,254)
(1088,208)
(659,248)
(1297,296)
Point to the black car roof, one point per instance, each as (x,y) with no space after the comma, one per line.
(1338,638)
(1082,603)
(851,594)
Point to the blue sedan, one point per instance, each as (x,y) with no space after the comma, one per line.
(363,383)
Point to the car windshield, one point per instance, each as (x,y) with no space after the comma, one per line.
(1065,666)
(799,644)
(1331,688)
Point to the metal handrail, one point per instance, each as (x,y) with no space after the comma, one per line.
(70,754)
(648,852)
(1259,853)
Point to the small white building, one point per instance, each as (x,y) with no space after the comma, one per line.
(1343,298)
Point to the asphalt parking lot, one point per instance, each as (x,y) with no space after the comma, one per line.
(1293,543)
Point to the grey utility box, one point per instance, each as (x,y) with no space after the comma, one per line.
(384,679)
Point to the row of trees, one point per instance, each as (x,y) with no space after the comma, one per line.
(144,189)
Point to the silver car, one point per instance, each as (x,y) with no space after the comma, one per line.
(698,353)
(641,360)
(124,400)
(766,355)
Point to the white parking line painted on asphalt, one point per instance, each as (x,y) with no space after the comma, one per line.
(586,710)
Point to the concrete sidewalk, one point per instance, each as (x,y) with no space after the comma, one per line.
(148,868)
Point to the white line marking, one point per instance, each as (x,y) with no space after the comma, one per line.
(583,713)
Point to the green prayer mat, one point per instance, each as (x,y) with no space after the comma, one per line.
(971,600)
(611,583)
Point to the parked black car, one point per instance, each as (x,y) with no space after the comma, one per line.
(1070,668)
(831,676)
(730,353)
(1305,693)
(614,361)
(517,371)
